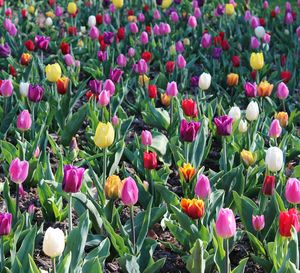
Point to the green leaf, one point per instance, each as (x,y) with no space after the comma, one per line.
(33,267)
(101,252)
(129,264)
(196,261)
(64,265)
(92,266)
(155,267)
(256,244)
(241,267)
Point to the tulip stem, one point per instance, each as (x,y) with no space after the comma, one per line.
(17,201)
(70,213)
(224,154)
(171,111)
(227,256)
(186,152)
(132,227)
(2,253)
(53,265)
(104,165)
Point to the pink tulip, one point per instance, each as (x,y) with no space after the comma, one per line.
(298,31)
(247,15)
(106,19)
(265,4)
(192,22)
(292,191)
(146,138)
(254,43)
(36,153)
(202,188)
(156,15)
(130,192)
(197,13)
(94,33)
(131,52)
(288,19)
(277,10)
(172,89)
(115,120)
(181,63)
(69,60)
(121,60)
(134,28)
(266,39)
(225,224)
(6,88)
(282,91)
(255,22)
(258,222)
(18,170)
(141,67)
(24,121)
(104,98)
(141,17)
(109,86)
(156,30)
(174,17)
(144,38)
(206,40)
(275,129)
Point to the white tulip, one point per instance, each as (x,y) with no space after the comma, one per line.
(243,126)
(252,111)
(265,47)
(43,271)
(235,113)
(260,32)
(274,159)
(286,32)
(54,242)
(83,29)
(204,81)
(24,87)
(48,22)
(92,21)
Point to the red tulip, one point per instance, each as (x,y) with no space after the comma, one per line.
(235,61)
(268,185)
(146,55)
(121,33)
(65,48)
(286,76)
(287,219)
(150,161)
(99,19)
(29,44)
(170,65)
(189,107)
(152,91)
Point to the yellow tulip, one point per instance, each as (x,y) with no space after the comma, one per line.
(232,79)
(166,3)
(118,3)
(132,18)
(53,72)
(31,9)
(257,61)
(112,187)
(50,14)
(172,50)
(229,9)
(186,41)
(72,8)
(80,44)
(105,135)
(248,157)
(144,80)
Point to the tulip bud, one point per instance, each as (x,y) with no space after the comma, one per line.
(49,22)
(252,111)
(172,89)
(146,138)
(104,98)
(235,113)
(204,81)
(36,153)
(24,121)
(115,120)
(258,222)
(24,88)
(73,177)
(202,188)
(225,223)
(105,135)
(206,40)
(31,209)
(192,21)
(130,192)
(121,60)
(181,63)
(54,242)
(254,43)
(274,159)
(6,88)
(5,223)
(92,21)
(18,170)
(113,186)
(282,91)
(268,185)
(292,191)
(275,129)
(133,28)
(144,38)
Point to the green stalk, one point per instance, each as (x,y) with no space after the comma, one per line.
(2,253)
(53,265)
(227,256)
(17,201)
(70,213)
(104,165)
(225,153)
(132,227)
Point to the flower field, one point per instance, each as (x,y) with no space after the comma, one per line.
(149,136)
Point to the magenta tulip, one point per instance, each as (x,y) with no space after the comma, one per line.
(73,177)
(172,89)
(282,91)
(181,62)
(189,130)
(5,223)
(18,170)
(6,88)
(130,192)
(104,98)
(202,188)
(292,191)
(109,86)
(258,222)
(275,129)
(224,125)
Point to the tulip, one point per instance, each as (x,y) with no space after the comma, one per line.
(115,120)
(258,222)
(235,61)
(92,21)
(206,40)
(113,187)
(25,58)
(121,60)
(193,208)
(192,21)
(156,14)
(6,88)
(265,4)
(189,130)
(150,160)
(54,242)
(257,61)
(129,194)
(94,33)
(72,8)
(131,52)
(24,88)
(243,126)
(104,98)
(49,22)
(166,3)
(24,121)
(254,43)
(187,171)
(174,17)
(115,75)
(287,220)
(260,32)
(235,113)
(181,63)
(146,138)
(252,111)
(292,191)
(254,21)
(104,136)
(248,157)
(109,86)
(275,129)
(282,91)
(250,89)
(133,28)
(232,79)
(95,86)
(42,42)
(268,185)
(18,170)
(264,89)
(144,38)
(247,15)
(35,93)
(170,66)
(225,224)
(165,99)
(142,67)
(59,11)
(62,85)
(152,91)
(172,89)
(53,72)
(229,9)
(189,108)
(144,80)
(69,60)
(5,223)
(283,118)
(73,177)
(204,81)
(224,125)
(202,188)
(274,159)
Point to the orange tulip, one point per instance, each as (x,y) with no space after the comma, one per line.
(188,171)
(62,85)
(194,208)
(264,89)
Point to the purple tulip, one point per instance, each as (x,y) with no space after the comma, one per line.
(5,223)
(189,130)
(220,10)
(179,47)
(102,55)
(6,88)
(197,13)
(250,89)
(115,75)
(35,93)
(156,30)
(254,22)
(108,37)
(130,192)
(18,170)
(254,43)
(94,33)
(42,42)
(141,17)
(174,17)
(224,125)
(247,15)
(194,81)
(106,19)
(59,11)
(73,177)
(4,50)
(216,54)
(95,86)
(206,40)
